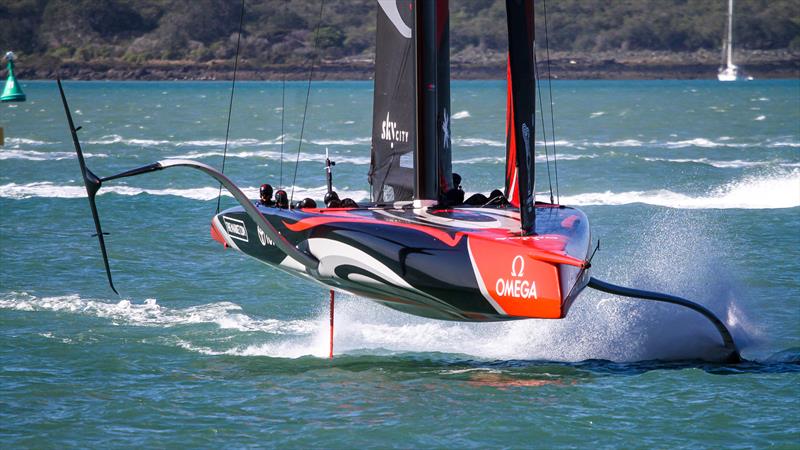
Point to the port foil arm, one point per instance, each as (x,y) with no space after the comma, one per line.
(727,339)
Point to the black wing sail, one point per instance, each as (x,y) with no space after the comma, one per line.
(411,151)
(520,69)
(394,108)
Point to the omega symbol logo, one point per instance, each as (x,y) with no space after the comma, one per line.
(514,272)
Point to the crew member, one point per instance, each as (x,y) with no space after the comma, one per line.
(265,195)
(455,196)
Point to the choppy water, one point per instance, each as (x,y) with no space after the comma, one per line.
(692,187)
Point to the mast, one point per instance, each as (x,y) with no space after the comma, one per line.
(520,126)
(433,155)
(425,175)
(729,38)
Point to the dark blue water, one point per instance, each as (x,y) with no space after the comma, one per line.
(693,188)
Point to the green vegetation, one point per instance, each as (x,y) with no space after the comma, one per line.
(282,32)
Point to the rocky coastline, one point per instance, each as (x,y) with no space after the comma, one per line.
(760,64)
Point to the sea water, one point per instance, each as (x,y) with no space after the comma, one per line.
(691,187)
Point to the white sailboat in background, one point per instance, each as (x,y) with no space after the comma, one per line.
(729,71)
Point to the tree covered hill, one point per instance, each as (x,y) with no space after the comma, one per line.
(280,32)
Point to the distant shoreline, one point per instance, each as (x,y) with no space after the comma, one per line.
(589,66)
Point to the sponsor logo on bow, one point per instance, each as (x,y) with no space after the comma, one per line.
(263,238)
(235,228)
(516,286)
(390,131)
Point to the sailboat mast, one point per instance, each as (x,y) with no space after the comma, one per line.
(729,39)
(425,156)
(521,126)
(433,155)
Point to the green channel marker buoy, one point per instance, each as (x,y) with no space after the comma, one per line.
(12,92)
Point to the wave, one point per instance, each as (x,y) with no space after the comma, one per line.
(622,143)
(356,141)
(50,190)
(288,156)
(539,159)
(700,142)
(233,143)
(476,142)
(570,157)
(778,191)
(703,143)
(461,115)
(734,164)
(117,139)
(23,141)
(559,143)
(33,155)
(677,144)
(482,159)
(784,144)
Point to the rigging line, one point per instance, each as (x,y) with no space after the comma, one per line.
(283,115)
(550,87)
(283,109)
(541,116)
(308,93)
(230,105)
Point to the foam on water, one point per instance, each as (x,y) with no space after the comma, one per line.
(568,157)
(784,144)
(461,115)
(734,164)
(16,142)
(33,155)
(349,142)
(49,190)
(225,315)
(776,191)
(117,139)
(273,155)
(540,158)
(700,142)
(622,143)
(596,328)
(477,142)
(232,143)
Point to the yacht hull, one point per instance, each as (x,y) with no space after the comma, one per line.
(466,263)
